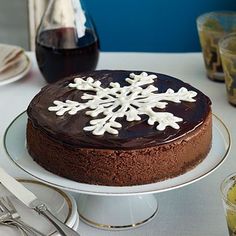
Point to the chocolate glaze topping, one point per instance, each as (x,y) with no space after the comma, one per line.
(138,134)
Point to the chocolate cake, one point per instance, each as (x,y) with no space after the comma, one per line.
(119,128)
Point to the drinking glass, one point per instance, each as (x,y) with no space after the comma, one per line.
(227,46)
(228,190)
(212,27)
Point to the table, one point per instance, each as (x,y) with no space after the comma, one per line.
(195,210)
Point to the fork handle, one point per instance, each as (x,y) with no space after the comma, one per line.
(28,228)
(15,225)
(63,229)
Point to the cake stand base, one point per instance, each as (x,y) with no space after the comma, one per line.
(117,212)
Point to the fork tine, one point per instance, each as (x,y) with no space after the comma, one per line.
(10,203)
(5,201)
(4,213)
(1,209)
(4,204)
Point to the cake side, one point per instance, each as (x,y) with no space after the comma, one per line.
(121,167)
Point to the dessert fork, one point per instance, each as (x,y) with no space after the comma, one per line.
(12,224)
(8,213)
(4,220)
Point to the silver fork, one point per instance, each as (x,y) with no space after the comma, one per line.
(12,216)
(4,216)
(12,224)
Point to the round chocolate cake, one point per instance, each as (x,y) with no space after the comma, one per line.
(119,128)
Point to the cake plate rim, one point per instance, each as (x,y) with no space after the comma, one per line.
(20,157)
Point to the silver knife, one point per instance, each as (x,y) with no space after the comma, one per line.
(31,201)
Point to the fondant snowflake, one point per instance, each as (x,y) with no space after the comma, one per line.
(138,98)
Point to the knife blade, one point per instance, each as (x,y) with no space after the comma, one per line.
(31,201)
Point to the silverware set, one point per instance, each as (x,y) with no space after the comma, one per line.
(10,217)
(30,200)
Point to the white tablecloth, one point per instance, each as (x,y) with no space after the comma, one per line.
(195,210)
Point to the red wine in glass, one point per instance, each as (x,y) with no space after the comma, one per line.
(60,53)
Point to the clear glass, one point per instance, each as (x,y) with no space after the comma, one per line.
(228,190)
(212,27)
(227,47)
(66,42)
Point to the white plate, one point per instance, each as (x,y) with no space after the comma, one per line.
(14,142)
(17,73)
(61,204)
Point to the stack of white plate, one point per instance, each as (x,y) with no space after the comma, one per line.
(14,63)
(61,204)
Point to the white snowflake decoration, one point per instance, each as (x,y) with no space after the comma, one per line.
(129,101)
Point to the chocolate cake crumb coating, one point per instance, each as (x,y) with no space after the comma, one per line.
(138,154)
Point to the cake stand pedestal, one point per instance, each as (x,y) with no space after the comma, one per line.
(117,212)
(110,207)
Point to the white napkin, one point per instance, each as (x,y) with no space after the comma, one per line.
(9,55)
(12,61)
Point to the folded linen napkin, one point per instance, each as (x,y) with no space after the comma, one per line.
(13,63)
(9,56)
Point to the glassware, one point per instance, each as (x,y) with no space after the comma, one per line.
(227,46)
(212,27)
(66,42)
(228,191)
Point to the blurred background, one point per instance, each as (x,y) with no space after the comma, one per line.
(123,25)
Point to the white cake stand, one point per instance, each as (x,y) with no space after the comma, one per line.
(115,207)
